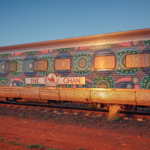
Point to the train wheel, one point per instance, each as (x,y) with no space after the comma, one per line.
(126,107)
(99,105)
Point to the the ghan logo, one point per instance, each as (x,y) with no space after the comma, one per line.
(53,80)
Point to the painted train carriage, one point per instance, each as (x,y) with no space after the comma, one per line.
(101,69)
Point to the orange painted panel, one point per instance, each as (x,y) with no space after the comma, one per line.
(138,61)
(9,92)
(75,95)
(49,94)
(116,97)
(105,62)
(143,98)
(30,93)
(62,64)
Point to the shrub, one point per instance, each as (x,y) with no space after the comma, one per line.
(113,109)
(80,148)
(1,139)
(35,146)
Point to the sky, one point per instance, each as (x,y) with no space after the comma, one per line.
(28,21)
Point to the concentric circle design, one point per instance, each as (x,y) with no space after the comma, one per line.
(129,85)
(29,66)
(4,67)
(145,82)
(135,43)
(19,62)
(82,63)
(4,82)
(103,82)
(135,80)
(121,60)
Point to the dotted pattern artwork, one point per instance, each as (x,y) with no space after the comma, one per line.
(4,81)
(50,67)
(103,82)
(146,82)
(77,62)
(120,66)
(19,69)
(4,67)
(82,63)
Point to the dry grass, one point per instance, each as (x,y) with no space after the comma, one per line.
(113,109)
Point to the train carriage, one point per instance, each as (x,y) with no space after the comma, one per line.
(101,69)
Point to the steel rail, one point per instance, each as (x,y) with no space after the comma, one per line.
(127,113)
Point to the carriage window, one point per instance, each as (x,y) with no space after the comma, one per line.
(137,60)
(105,62)
(40,65)
(62,64)
(14,66)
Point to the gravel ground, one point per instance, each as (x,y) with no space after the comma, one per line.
(68,130)
(125,124)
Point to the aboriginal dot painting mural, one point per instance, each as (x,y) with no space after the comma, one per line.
(82,63)
(4,81)
(63,64)
(103,82)
(118,65)
(4,67)
(121,62)
(146,82)
(16,66)
(29,65)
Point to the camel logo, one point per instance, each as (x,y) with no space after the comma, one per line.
(52,80)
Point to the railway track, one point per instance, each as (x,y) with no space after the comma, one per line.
(140,113)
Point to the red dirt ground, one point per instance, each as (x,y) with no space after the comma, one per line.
(65,136)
